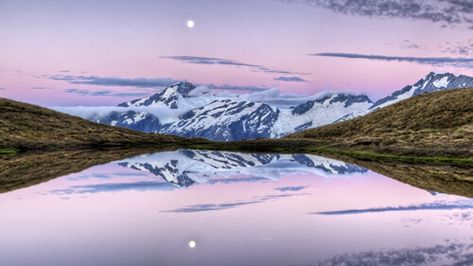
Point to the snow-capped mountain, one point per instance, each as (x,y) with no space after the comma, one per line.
(226,118)
(432,82)
(184,168)
(189,111)
(325,110)
(168,97)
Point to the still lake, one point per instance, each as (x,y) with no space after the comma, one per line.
(190,207)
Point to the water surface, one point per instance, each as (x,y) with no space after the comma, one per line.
(190,207)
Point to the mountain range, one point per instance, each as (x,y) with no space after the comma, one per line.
(185,110)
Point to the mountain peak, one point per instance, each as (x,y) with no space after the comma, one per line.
(183,87)
(167,97)
(430,83)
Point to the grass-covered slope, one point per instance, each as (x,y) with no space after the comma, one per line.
(439,123)
(25,126)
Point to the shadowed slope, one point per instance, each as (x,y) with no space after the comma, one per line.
(28,126)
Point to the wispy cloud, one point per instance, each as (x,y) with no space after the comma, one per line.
(444,12)
(198,60)
(236,88)
(138,83)
(1,89)
(408,44)
(116,81)
(465,62)
(458,48)
(83,92)
(39,88)
(290,188)
(425,206)
(290,79)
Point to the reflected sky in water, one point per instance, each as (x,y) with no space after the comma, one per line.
(222,208)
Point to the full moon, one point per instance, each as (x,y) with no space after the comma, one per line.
(192,244)
(190,24)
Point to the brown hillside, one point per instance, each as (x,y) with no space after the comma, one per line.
(433,123)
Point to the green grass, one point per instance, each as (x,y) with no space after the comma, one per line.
(8,151)
(408,159)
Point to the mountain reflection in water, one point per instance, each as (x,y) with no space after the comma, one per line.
(198,207)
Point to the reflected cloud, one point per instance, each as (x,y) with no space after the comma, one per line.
(442,254)
(461,218)
(237,180)
(293,188)
(230,205)
(420,207)
(113,187)
(105,175)
(214,207)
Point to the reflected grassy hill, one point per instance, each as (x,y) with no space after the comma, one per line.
(448,179)
(31,168)
(28,169)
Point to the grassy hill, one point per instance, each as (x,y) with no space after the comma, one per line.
(439,123)
(25,126)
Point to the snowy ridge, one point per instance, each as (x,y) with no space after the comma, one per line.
(236,119)
(319,112)
(226,120)
(432,82)
(199,113)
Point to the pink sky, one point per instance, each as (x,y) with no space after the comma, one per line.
(128,39)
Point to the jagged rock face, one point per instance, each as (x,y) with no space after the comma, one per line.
(140,121)
(168,97)
(432,82)
(226,120)
(346,99)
